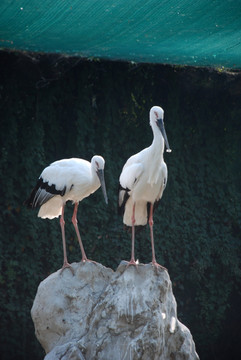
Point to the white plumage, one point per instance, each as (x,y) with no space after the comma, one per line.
(64,180)
(143,180)
(77,175)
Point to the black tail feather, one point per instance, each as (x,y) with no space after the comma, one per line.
(121,207)
(29,202)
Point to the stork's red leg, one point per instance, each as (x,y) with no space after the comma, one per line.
(62,223)
(75,221)
(132,261)
(152,239)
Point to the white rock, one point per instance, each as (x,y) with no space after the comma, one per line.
(69,351)
(126,315)
(64,301)
(172,325)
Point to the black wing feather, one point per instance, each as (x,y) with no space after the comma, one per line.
(41,193)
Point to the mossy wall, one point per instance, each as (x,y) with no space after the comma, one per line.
(54,107)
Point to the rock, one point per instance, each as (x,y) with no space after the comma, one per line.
(106,315)
(64,301)
(69,351)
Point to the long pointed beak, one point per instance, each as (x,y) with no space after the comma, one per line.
(100,174)
(161,126)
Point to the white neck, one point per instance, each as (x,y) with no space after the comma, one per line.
(95,180)
(155,155)
(158,141)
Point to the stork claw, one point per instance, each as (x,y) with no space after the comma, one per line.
(154,263)
(88,260)
(132,262)
(68,266)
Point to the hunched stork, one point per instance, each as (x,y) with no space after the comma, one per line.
(67,179)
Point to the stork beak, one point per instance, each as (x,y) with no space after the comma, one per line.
(100,174)
(160,124)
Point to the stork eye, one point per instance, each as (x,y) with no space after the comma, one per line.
(97,164)
(155,112)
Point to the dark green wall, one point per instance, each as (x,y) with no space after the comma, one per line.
(54,107)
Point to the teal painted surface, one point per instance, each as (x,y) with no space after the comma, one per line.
(201,32)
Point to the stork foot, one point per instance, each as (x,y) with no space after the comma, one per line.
(88,260)
(158,266)
(132,262)
(66,265)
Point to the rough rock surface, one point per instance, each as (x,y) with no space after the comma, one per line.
(100,314)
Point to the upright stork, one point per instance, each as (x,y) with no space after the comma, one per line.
(143,180)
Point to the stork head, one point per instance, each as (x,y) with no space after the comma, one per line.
(98,165)
(157,121)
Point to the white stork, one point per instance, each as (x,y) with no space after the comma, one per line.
(143,180)
(68,179)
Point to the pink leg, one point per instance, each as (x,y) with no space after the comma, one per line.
(152,239)
(75,221)
(62,223)
(132,261)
